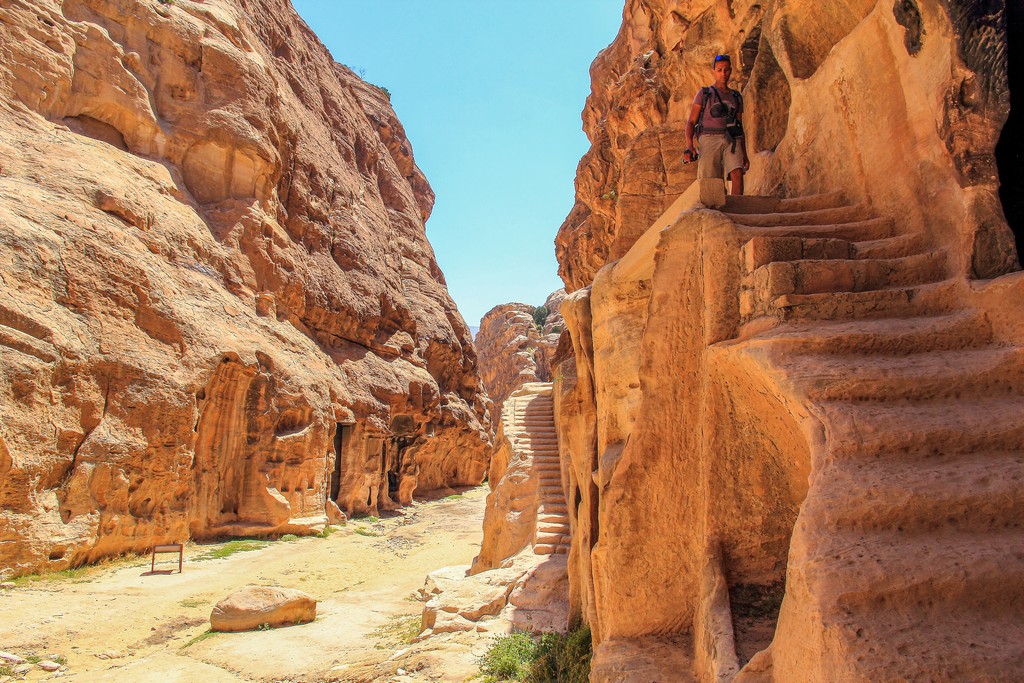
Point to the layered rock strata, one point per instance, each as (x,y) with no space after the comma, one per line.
(516,345)
(790,428)
(220,313)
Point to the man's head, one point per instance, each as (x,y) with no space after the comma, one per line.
(723,70)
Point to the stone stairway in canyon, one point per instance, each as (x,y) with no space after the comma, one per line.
(533,424)
(909,549)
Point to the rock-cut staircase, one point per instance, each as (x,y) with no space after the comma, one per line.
(534,426)
(908,556)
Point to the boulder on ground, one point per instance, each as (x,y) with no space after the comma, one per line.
(256,606)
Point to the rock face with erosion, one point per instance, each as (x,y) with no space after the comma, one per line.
(516,344)
(219,313)
(791,427)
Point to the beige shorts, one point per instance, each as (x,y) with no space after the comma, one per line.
(716,156)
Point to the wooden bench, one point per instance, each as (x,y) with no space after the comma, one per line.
(168,548)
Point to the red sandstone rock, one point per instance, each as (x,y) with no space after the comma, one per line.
(218,307)
(514,350)
(261,606)
(792,428)
(812,78)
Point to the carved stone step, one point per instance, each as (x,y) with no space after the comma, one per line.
(937,493)
(822,216)
(901,430)
(758,204)
(548,549)
(899,301)
(958,571)
(844,275)
(890,247)
(553,519)
(950,331)
(856,231)
(956,374)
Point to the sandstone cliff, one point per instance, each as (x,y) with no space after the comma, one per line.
(219,310)
(792,427)
(515,348)
(849,94)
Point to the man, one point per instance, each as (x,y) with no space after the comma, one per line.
(716,120)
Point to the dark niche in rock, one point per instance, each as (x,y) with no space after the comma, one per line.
(1010,150)
(909,17)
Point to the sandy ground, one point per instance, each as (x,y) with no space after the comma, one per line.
(122,623)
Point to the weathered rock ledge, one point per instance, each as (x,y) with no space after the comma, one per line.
(514,349)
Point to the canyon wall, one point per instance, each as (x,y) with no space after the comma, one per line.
(900,105)
(790,428)
(220,313)
(514,349)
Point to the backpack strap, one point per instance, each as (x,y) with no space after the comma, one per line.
(703,105)
(739,100)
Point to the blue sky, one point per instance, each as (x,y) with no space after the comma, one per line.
(490,94)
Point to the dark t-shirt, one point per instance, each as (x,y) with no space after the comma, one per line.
(716,124)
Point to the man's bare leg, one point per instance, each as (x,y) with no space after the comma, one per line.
(736,176)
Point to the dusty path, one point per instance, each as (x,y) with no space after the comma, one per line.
(117,623)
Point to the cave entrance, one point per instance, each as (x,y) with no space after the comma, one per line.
(342,435)
(400,444)
(1010,150)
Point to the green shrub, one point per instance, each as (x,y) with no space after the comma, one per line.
(554,658)
(562,659)
(509,657)
(328,530)
(540,315)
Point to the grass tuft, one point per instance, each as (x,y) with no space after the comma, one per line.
(72,574)
(363,531)
(400,630)
(205,635)
(240,545)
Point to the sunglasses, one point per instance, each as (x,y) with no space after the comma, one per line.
(722,58)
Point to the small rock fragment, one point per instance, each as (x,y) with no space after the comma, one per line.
(47,665)
(11,659)
(7,585)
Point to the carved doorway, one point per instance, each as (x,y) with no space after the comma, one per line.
(342,436)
